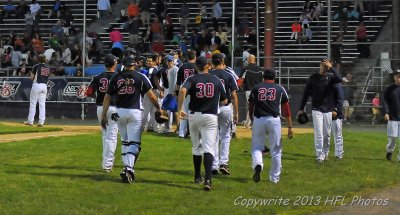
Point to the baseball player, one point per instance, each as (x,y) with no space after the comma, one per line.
(232,72)
(251,76)
(206,93)
(99,84)
(391,99)
(337,121)
(221,156)
(129,87)
(40,75)
(186,70)
(149,123)
(265,103)
(320,87)
(169,102)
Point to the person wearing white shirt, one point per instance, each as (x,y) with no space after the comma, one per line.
(170,102)
(103,7)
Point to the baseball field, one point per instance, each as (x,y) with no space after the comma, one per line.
(59,172)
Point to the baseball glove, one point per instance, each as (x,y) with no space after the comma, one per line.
(302,118)
(115,117)
(161,117)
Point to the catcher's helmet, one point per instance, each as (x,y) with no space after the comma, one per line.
(302,118)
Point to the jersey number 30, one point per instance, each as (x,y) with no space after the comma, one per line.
(205,90)
(264,94)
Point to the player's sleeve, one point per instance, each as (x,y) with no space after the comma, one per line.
(179,77)
(336,78)
(112,87)
(35,68)
(188,83)
(386,100)
(222,90)
(338,98)
(285,96)
(252,94)
(232,83)
(145,85)
(306,94)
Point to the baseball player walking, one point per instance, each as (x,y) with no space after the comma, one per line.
(186,70)
(169,102)
(251,75)
(99,84)
(230,71)
(320,86)
(337,121)
(265,102)
(206,94)
(221,156)
(40,75)
(391,100)
(129,87)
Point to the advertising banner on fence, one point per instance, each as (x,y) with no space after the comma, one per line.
(59,89)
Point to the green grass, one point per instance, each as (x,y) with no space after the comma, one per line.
(62,176)
(5,129)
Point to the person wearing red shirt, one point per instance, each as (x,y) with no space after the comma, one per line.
(296,29)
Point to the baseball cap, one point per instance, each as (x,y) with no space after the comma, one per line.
(169,58)
(201,62)
(129,61)
(217,58)
(110,60)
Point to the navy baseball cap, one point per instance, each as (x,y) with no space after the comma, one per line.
(169,58)
(201,62)
(110,60)
(129,61)
(217,58)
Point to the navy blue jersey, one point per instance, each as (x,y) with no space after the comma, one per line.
(338,96)
(41,72)
(129,88)
(206,91)
(228,80)
(100,83)
(391,100)
(267,98)
(154,74)
(185,71)
(321,89)
(252,75)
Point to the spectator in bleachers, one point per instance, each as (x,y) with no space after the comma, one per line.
(318,10)
(23,69)
(308,32)
(309,9)
(215,40)
(54,43)
(133,28)
(66,20)
(193,38)
(343,11)
(361,37)
(133,9)
(16,57)
(22,9)
(296,29)
(9,9)
(37,45)
(145,6)
(76,55)
(146,39)
(103,8)
(205,52)
(161,9)
(156,29)
(168,27)
(304,19)
(29,23)
(35,10)
(202,17)
(58,30)
(216,13)
(157,46)
(222,34)
(115,35)
(203,39)
(66,55)
(7,57)
(184,13)
(56,8)
(10,41)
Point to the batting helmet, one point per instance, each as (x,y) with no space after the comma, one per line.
(302,118)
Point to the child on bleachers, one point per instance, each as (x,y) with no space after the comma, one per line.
(296,29)
(375,108)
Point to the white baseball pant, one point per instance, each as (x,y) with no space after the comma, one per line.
(38,94)
(183,123)
(322,133)
(393,131)
(233,127)
(129,125)
(337,126)
(262,127)
(109,137)
(203,132)
(247,123)
(149,122)
(221,155)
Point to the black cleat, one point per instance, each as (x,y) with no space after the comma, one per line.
(214,172)
(207,185)
(198,180)
(123,176)
(224,169)
(234,135)
(256,176)
(389,156)
(130,176)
